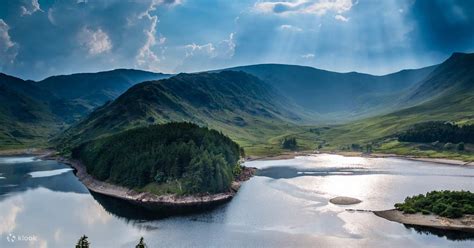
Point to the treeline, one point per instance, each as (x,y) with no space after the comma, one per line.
(289,143)
(438,131)
(451,204)
(84,243)
(201,160)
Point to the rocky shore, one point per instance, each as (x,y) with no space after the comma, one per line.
(291,155)
(170,202)
(464,224)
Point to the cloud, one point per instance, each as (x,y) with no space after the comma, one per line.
(341,18)
(223,50)
(194,49)
(96,42)
(226,48)
(287,27)
(7,46)
(313,7)
(308,56)
(32,7)
(145,53)
(146,57)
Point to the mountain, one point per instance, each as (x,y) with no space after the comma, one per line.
(31,112)
(236,103)
(446,94)
(25,112)
(453,77)
(340,95)
(90,90)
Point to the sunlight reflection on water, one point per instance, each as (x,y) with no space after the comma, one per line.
(285,205)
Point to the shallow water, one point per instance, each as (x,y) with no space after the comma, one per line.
(286,204)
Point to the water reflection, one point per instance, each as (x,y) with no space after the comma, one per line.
(285,205)
(451,235)
(22,174)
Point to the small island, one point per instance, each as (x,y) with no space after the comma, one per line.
(344,200)
(172,167)
(447,210)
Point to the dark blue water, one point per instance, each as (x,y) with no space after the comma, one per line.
(286,205)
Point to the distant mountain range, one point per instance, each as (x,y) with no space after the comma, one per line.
(34,111)
(339,96)
(252,104)
(446,94)
(233,102)
(90,90)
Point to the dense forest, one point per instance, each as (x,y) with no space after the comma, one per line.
(451,204)
(199,159)
(438,131)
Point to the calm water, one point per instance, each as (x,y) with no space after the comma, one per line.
(286,205)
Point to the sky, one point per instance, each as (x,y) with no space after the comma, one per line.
(40,38)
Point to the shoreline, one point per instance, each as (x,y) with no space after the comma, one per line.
(169,202)
(464,224)
(41,152)
(445,161)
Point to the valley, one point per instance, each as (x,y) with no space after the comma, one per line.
(257,110)
(250,123)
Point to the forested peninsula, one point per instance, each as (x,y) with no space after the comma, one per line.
(170,164)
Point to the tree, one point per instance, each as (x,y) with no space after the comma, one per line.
(368,148)
(141,244)
(83,242)
(289,143)
(460,146)
(448,146)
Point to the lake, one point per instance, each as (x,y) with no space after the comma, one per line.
(42,204)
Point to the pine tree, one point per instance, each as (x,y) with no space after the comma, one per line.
(83,242)
(141,244)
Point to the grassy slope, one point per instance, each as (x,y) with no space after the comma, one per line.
(337,96)
(238,104)
(25,116)
(451,86)
(32,112)
(90,90)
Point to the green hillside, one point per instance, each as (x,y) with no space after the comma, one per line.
(90,90)
(447,94)
(32,112)
(236,103)
(25,114)
(177,158)
(337,96)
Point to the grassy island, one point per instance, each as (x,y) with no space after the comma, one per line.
(173,158)
(450,204)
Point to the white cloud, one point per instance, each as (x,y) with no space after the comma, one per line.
(8,49)
(96,42)
(194,49)
(145,54)
(341,18)
(315,7)
(32,8)
(308,56)
(224,49)
(146,57)
(51,16)
(287,27)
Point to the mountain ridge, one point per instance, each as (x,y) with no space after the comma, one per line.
(344,95)
(224,101)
